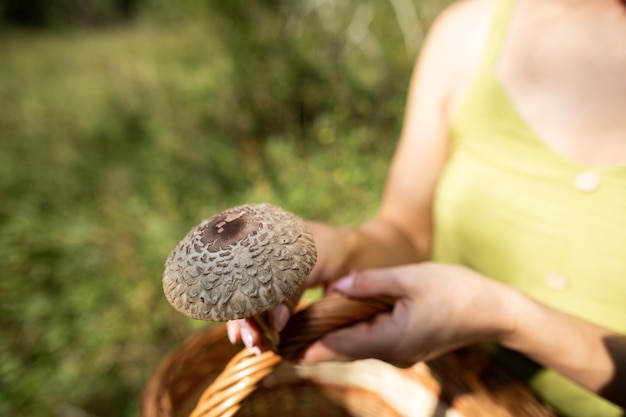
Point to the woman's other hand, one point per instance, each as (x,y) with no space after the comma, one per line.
(438,308)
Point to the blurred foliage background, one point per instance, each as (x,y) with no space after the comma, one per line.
(123,123)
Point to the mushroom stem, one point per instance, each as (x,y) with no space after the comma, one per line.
(270,335)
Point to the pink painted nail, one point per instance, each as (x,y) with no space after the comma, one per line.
(231,331)
(343,284)
(246,336)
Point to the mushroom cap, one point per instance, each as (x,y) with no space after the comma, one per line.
(239,263)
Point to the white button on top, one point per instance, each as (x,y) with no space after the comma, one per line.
(557,281)
(587,181)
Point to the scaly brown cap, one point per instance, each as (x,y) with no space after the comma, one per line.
(239,263)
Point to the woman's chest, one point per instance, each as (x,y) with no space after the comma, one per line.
(564,73)
(557,233)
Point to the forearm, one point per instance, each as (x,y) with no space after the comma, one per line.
(589,355)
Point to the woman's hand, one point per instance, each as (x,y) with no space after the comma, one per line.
(439,308)
(379,242)
(332,252)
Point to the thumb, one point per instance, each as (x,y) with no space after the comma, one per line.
(360,341)
(371,283)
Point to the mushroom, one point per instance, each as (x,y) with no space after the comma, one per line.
(240,263)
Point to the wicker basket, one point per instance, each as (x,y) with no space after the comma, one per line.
(209,377)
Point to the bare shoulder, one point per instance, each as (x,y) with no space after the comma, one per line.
(460,11)
(455,44)
(463,22)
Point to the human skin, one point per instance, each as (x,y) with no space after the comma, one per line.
(441,307)
(553,48)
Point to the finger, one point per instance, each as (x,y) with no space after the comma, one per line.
(281,316)
(282,312)
(250,332)
(245,330)
(233,331)
(372,283)
(363,340)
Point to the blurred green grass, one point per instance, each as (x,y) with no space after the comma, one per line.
(114,142)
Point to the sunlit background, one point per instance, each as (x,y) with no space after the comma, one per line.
(123,123)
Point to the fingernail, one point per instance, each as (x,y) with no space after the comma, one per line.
(231,331)
(246,337)
(343,284)
(257,350)
(281,317)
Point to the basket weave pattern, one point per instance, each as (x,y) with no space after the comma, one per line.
(193,381)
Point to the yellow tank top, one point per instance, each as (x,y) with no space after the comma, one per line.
(512,208)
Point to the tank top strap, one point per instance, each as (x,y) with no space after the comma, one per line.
(499,25)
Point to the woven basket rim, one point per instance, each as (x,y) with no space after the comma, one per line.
(464,381)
